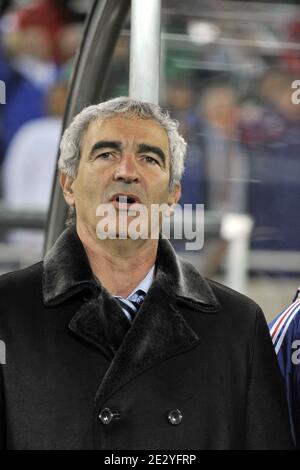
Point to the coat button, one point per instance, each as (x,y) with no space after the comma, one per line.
(106,416)
(175,417)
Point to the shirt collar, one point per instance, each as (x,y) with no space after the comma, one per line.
(144,285)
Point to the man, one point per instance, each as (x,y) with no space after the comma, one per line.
(285,333)
(116,343)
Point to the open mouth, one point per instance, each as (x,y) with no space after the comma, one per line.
(124,201)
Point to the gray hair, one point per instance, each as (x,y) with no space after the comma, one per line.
(70,145)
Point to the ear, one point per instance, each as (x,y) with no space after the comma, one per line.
(175,195)
(66,185)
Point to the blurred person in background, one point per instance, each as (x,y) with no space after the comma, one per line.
(285,328)
(32,35)
(29,164)
(49,18)
(37,40)
(285,333)
(271,138)
(24,101)
(32,52)
(182,102)
(226,167)
(30,55)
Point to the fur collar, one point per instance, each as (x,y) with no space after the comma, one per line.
(67,272)
(158,332)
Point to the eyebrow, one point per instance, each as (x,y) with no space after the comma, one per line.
(101,144)
(117,145)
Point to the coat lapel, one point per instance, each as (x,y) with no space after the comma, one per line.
(66,273)
(100,322)
(158,332)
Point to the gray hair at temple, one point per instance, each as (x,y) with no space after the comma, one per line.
(70,145)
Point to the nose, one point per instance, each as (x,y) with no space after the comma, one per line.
(126,171)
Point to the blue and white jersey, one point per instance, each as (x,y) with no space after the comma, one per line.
(285,334)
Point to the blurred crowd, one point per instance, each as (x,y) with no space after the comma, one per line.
(38,43)
(244,153)
(244,141)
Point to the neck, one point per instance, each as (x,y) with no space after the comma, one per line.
(120,265)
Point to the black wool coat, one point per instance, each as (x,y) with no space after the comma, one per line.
(195,370)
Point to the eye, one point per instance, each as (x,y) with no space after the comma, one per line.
(105,155)
(150,160)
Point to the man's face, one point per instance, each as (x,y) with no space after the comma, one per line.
(120,156)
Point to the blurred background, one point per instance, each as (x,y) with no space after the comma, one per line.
(227,69)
